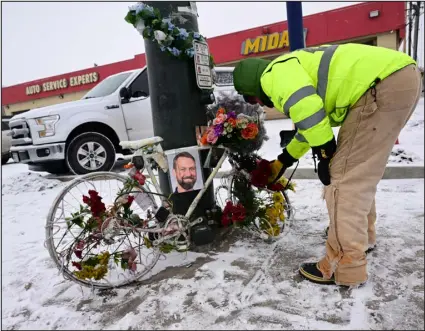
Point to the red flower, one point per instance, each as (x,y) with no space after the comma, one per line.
(93,194)
(130,200)
(86,200)
(97,208)
(141,179)
(233,213)
(260,175)
(238,213)
(77,265)
(95,202)
(80,245)
(275,187)
(78,250)
(226,217)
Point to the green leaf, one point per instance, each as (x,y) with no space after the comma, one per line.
(124,264)
(146,33)
(156,23)
(130,18)
(117,258)
(79,221)
(176,31)
(92,261)
(157,13)
(166,248)
(147,242)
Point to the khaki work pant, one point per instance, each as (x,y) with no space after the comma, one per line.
(365,141)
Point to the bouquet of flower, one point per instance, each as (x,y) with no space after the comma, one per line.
(163,31)
(236,125)
(230,129)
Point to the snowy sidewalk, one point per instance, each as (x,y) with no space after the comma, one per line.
(245,284)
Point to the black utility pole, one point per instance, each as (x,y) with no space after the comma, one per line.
(416,9)
(410,23)
(176,103)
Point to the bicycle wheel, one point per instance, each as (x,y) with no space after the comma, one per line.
(125,255)
(225,192)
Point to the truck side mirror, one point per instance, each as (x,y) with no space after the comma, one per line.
(124,94)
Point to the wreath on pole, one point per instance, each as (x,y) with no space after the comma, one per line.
(175,41)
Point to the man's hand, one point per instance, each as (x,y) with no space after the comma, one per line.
(278,169)
(325,154)
(279,166)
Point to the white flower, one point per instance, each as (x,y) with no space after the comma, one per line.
(140,26)
(159,35)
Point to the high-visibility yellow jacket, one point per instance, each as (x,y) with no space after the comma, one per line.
(316,86)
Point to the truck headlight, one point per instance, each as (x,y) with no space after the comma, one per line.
(49,125)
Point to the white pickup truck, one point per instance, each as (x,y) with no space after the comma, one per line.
(83,136)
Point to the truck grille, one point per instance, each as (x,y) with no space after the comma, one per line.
(21,134)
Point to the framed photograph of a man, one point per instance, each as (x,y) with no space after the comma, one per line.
(185,169)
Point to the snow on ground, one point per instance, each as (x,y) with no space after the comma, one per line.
(243,284)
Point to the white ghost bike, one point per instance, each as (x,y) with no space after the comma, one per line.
(126,246)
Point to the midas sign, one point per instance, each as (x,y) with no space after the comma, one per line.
(63,83)
(267,43)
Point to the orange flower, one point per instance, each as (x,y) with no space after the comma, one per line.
(250,132)
(204,139)
(232,122)
(221,111)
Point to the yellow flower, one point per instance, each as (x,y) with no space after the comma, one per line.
(272,215)
(278,206)
(278,197)
(97,272)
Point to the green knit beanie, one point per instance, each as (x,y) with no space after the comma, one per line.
(247,74)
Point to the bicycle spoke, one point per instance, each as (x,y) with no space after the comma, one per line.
(63,238)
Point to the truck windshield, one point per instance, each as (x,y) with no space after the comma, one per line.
(107,86)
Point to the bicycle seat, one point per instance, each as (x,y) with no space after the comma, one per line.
(136,144)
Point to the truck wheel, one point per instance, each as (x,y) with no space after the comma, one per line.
(90,152)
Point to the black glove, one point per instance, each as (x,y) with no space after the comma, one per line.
(325,153)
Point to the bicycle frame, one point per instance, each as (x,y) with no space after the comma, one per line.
(147,158)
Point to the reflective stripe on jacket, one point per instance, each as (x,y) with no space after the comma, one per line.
(316,86)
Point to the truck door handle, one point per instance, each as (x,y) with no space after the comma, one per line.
(112,107)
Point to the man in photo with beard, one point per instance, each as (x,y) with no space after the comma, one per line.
(184,170)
